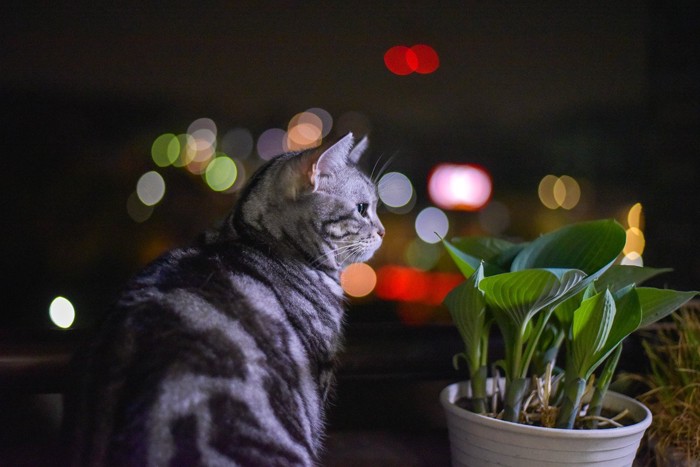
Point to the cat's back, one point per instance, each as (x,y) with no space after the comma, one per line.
(212,355)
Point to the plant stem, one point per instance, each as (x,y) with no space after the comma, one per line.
(573,392)
(478,385)
(515,394)
(601,387)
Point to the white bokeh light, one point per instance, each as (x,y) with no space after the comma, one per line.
(62,312)
(150,188)
(432,225)
(459,186)
(395,189)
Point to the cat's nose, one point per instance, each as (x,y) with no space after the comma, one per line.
(381,232)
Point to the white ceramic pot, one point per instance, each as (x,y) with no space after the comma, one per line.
(477,440)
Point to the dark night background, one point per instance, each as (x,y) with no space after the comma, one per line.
(603,91)
(607,92)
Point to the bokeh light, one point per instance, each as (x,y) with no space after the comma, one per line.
(404,284)
(138,211)
(326,120)
(635,216)
(358,279)
(632,259)
(464,187)
(559,192)
(221,173)
(203,128)
(401,60)
(165,150)
(150,188)
(271,143)
(420,58)
(635,241)
(395,190)
(428,60)
(431,225)
(238,143)
(62,312)
(305,130)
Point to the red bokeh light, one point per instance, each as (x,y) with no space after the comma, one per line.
(420,58)
(427,58)
(412,285)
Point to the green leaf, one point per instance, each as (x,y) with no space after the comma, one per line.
(521,294)
(485,248)
(628,316)
(658,303)
(619,276)
(465,263)
(600,325)
(591,326)
(588,246)
(469,252)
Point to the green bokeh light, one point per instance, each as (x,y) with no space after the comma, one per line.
(221,173)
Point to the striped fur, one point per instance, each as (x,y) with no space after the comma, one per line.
(222,353)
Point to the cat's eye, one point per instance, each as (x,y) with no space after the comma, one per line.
(362,208)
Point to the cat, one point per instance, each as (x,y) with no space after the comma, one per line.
(222,353)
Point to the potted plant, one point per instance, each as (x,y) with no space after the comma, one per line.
(674,396)
(559,294)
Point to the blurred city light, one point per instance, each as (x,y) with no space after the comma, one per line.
(399,283)
(464,187)
(431,225)
(358,279)
(420,58)
(559,192)
(428,60)
(150,188)
(634,217)
(326,120)
(203,128)
(305,130)
(62,312)
(221,173)
(271,143)
(395,190)
(165,150)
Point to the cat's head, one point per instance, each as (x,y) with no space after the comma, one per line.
(315,204)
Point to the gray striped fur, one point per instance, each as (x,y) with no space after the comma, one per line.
(222,353)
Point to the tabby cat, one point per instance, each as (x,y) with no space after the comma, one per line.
(222,353)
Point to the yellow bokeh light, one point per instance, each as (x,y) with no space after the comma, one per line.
(634,217)
(358,280)
(559,192)
(573,192)
(635,241)
(546,191)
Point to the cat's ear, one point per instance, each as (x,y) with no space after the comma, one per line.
(331,160)
(358,150)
